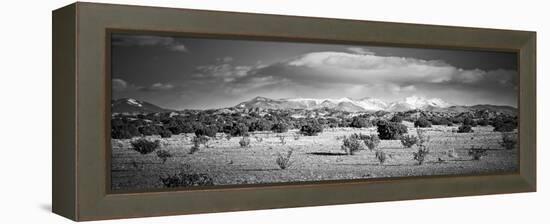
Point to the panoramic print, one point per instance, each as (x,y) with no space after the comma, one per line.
(193,112)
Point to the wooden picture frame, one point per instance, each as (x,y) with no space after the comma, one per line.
(81,110)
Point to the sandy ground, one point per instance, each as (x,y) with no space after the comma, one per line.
(315,158)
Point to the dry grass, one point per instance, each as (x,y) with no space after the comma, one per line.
(314,158)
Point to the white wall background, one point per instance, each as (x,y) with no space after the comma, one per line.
(25,74)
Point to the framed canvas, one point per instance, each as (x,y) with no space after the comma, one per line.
(161,111)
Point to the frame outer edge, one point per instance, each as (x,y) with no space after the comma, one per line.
(64,190)
(93,203)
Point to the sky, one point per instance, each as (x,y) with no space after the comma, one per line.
(201,73)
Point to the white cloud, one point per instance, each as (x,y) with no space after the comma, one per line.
(161,86)
(118,84)
(355,68)
(227,72)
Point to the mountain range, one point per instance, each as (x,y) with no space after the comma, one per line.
(346,104)
(130,105)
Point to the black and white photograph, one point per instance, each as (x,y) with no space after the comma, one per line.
(190,112)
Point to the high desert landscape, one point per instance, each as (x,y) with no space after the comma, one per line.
(260,142)
(195,112)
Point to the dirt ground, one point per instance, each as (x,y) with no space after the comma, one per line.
(314,158)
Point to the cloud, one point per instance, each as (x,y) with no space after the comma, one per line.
(149,41)
(119,84)
(227,72)
(161,86)
(360,50)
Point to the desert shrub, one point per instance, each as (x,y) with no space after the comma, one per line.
(397,119)
(238,129)
(124,131)
(371,141)
(312,128)
(183,179)
(408,140)
(281,139)
(283,161)
(477,153)
(149,130)
(244,142)
(441,121)
(421,154)
(465,129)
(279,127)
(381,156)
(165,133)
(456,120)
(509,140)
(422,123)
(260,125)
(209,130)
(351,145)
(483,122)
(469,121)
(359,122)
(163,155)
(390,130)
(504,126)
(197,141)
(145,146)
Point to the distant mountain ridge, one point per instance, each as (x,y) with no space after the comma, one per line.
(130,105)
(346,104)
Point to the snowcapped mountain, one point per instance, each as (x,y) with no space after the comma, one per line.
(346,104)
(130,105)
(415,102)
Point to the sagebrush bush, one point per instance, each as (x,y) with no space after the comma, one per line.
(351,145)
(422,123)
(312,128)
(281,139)
(197,141)
(359,122)
(469,121)
(465,129)
(125,131)
(209,130)
(421,154)
(244,142)
(283,161)
(504,126)
(390,130)
(408,140)
(477,153)
(371,141)
(381,156)
(279,127)
(165,133)
(509,140)
(397,119)
(483,122)
(183,179)
(145,146)
(163,155)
